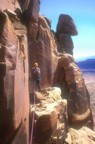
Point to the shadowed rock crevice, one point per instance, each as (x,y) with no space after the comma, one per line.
(2,19)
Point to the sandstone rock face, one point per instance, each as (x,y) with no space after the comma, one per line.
(65,29)
(78,96)
(66,25)
(43,49)
(81,136)
(50,117)
(48,21)
(24,4)
(33,10)
(65,44)
(14,94)
(9,4)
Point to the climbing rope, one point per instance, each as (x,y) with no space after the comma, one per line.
(33,119)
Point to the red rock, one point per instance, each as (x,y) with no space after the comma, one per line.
(43,49)
(14,95)
(65,29)
(33,10)
(66,25)
(78,96)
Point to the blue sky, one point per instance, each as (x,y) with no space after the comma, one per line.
(83,14)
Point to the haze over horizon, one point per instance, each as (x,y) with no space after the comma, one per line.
(83,14)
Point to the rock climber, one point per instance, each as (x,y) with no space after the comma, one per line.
(36,74)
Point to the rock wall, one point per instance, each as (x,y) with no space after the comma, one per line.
(43,49)
(14,91)
(14,52)
(9,4)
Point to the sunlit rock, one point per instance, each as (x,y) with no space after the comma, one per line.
(43,49)
(14,94)
(50,117)
(72,81)
(83,135)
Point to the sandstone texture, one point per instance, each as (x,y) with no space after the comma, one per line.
(65,29)
(81,136)
(14,92)
(64,102)
(51,118)
(43,49)
(70,79)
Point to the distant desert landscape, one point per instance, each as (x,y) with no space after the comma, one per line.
(89,78)
(87,66)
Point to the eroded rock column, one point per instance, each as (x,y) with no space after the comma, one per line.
(65,29)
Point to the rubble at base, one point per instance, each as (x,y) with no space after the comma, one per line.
(50,117)
(81,136)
